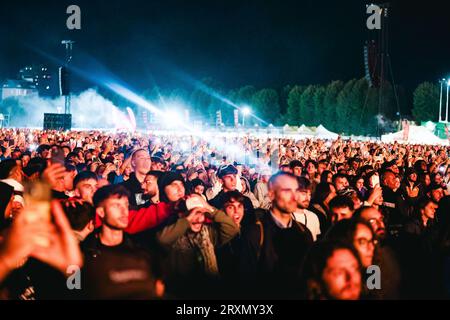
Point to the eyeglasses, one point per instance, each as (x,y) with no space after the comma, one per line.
(374,221)
(363,242)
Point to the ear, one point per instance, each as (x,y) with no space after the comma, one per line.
(100,212)
(91,226)
(271,195)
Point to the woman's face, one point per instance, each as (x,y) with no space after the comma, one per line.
(199,189)
(364,244)
(438,179)
(427,180)
(359,184)
(244,186)
(342,276)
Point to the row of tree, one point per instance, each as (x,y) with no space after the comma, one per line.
(346,107)
(351,107)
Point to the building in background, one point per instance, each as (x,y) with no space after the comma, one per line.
(18,88)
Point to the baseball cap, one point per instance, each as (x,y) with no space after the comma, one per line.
(225,170)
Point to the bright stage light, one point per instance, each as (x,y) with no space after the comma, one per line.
(246,111)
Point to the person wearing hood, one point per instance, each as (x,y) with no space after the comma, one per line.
(248,193)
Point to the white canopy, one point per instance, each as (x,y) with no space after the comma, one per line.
(416,135)
(324,133)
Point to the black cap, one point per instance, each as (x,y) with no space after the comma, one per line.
(225,170)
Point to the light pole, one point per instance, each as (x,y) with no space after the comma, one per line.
(440,101)
(446,110)
(245,112)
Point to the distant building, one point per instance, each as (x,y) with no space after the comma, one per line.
(18,88)
(40,77)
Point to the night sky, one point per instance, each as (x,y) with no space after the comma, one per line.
(264,43)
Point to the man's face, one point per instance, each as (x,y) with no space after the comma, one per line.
(412,177)
(141,162)
(85,189)
(157,166)
(437,194)
(25,160)
(342,276)
(235,210)
(375,218)
(198,220)
(283,194)
(114,212)
(430,210)
(394,169)
(341,183)
(229,182)
(68,180)
(341,214)
(150,185)
(322,167)
(297,171)
(392,181)
(303,198)
(175,191)
(438,179)
(364,243)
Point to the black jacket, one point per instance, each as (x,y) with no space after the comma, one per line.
(134,187)
(272,269)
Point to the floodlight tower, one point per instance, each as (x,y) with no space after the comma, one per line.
(64,75)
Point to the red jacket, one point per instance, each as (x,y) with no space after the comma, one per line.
(145,218)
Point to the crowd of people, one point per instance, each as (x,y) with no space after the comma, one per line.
(187,217)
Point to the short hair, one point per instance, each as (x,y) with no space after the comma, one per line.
(136,151)
(339,175)
(231,196)
(311,161)
(83,176)
(385,173)
(80,215)
(155,173)
(110,191)
(341,201)
(6,166)
(278,175)
(295,163)
(303,183)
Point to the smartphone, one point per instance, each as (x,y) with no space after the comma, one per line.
(37,196)
(58,156)
(375,180)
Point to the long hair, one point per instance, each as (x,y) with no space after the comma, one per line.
(315,264)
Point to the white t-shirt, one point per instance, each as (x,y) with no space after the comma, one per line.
(310,220)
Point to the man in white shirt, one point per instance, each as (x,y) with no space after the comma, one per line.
(303,215)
